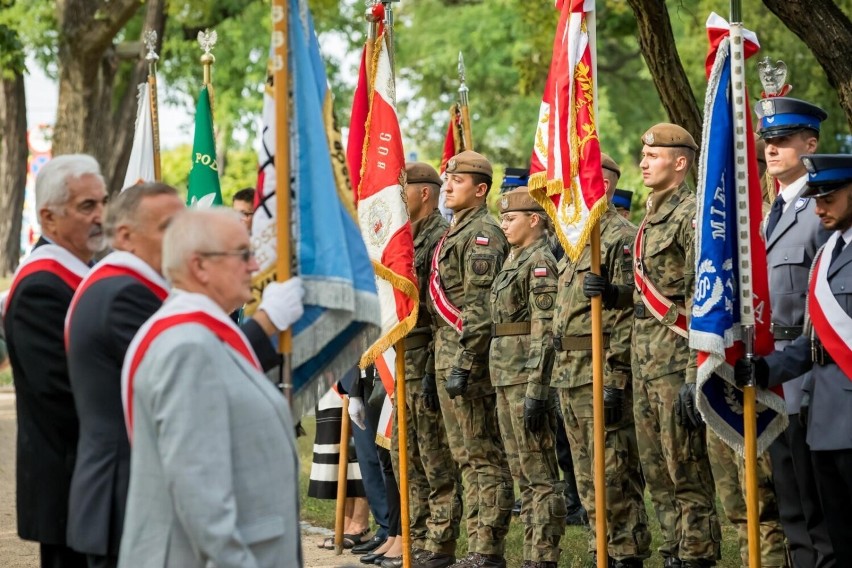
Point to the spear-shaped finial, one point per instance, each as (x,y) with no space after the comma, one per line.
(463,103)
(150,39)
(461,68)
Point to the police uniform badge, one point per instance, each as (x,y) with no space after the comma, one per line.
(801,203)
(648,138)
(767,107)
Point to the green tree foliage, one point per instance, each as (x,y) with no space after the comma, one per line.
(241,170)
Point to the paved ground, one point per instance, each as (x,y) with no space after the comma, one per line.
(17,553)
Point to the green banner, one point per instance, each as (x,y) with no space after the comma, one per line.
(204,190)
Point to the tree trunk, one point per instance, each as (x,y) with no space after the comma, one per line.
(827,32)
(13,169)
(87,68)
(657,43)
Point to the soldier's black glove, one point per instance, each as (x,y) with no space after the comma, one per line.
(613,405)
(594,285)
(457,382)
(805,409)
(744,367)
(535,414)
(685,409)
(429,392)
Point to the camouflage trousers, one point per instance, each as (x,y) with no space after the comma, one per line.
(627,521)
(729,474)
(677,471)
(532,460)
(434,500)
(477,449)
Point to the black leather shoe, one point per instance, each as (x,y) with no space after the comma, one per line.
(395,562)
(492,561)
(371,558)
(369,546)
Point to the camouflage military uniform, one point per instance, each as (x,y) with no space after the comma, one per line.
(434,505)
(627,522)
(729,474)
(468,262)
(674,458)
(521,358)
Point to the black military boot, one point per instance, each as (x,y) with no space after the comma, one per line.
(541,564)
(701,563)
(628,563)
(472,560)
(491,561)
(433,560)
(672,562)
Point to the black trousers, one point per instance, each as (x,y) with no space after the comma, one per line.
(834,480)
(98,561)
(60,556)
(798,499)
(394,506)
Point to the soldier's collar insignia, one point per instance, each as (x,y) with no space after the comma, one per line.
(648,138)
(767,107)
(801,203)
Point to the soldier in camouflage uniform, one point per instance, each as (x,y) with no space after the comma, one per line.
(521,360)
(463,268)
(628,536)
(672,450)
(434,505)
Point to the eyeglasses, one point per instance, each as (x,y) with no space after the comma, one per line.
(243,254)
(246,214)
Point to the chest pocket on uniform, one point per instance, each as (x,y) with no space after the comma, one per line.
(790,273)
(508,297)
(841,287)
(658,245)
(482,268)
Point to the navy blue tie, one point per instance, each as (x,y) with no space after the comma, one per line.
(774,215)
(838,248)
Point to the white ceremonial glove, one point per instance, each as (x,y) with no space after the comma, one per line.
(357,412)
(282,302)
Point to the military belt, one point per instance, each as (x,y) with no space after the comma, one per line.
(641,311)
(516,328)
(785,331)
(415,341)
(819,354)
(577,342)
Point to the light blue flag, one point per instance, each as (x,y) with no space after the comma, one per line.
(341,305)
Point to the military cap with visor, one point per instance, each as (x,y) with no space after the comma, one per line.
(622,199)
(420,172)
(519,200)
(782,116)
(827,173)
(470,162)
(669,135)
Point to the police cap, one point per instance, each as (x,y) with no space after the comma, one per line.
(781,116)
(519,200)
(669,135)
(514,177)
(470,162)
(827,173)
(622,198)
(420,172)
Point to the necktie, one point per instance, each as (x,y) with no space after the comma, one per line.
(774,215)
(838,248)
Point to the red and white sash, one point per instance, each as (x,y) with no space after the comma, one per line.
(119,263)
(49,258)
(179,308)
(664,310)
(448,312)
(833,326)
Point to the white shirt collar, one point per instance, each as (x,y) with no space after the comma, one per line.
(791,192)
(846,236)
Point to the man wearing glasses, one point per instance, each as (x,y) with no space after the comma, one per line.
(243,204)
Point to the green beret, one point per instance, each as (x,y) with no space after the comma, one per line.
(669,135)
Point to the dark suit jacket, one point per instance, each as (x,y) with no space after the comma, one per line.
(107,316)
(47,422)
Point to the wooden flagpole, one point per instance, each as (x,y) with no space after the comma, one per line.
(745,283)
(467,129)
(150,38)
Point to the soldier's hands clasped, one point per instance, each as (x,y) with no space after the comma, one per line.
(535,414)
(744,368)
(599,285)
(687,413)
(429,392)
(613,405)
(457,382)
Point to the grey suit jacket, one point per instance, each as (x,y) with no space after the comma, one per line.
(214,468)
(830,416)
(790,251)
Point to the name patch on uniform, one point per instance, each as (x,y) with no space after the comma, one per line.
(801,203)
(480,240)
(540,271)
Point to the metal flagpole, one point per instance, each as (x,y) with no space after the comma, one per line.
(150,38)
(745,279)
(372,33)
(467,139)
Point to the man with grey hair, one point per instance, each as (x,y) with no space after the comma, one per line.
(210,434)
(70,199)
(109,307)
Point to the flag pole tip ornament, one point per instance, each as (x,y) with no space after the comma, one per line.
(669,135)
(782,116)
(207,41)
(150,39)
(773,77)
(827,173)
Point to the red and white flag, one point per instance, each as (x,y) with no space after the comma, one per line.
(453,143)
(140,167)
(382,213)
(565,172)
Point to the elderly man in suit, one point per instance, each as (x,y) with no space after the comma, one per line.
(825,349)
(790,129)
(214,468)
(70,199)
(117,296)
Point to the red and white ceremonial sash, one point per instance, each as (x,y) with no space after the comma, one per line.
(664,310)
(179,309)
(119,263)
(49,258)
(448,312)
(832,324)
(386,367)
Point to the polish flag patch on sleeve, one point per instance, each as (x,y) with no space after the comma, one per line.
(480,240)
(540,271)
